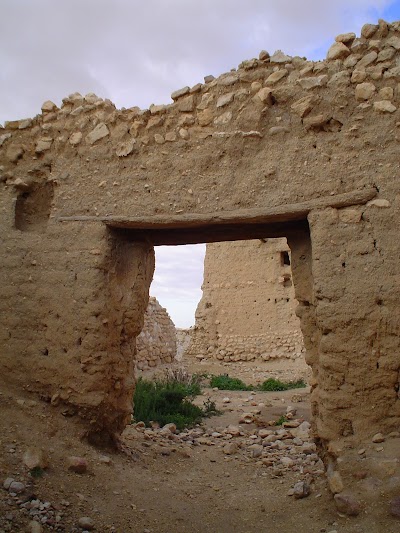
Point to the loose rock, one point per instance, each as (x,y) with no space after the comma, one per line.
(17,487)
(99,132)
(230,448)
(35,458)
(35,527)
(364,91)
(338,51)
(384,106)
(301,490)
(78,465)
(86,523)
(7,483)
(347,504)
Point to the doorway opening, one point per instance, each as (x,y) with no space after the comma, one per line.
(248,415)
(297,274)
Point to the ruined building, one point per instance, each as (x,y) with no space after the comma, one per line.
(156,343)
(280,147)
(247,311)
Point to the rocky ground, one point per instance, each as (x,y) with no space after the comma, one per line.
(237,472)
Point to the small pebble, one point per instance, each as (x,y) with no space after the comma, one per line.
(17,487)
(301,490)
(378,438)
(85,522)
(78,465)
(35,527)
(7,483)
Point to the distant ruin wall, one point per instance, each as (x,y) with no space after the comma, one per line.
(247,311)
(183,338)
(156,343)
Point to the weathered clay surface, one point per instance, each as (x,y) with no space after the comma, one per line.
(247,311)
(156,343)
(291,141)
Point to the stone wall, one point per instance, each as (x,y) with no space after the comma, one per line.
(183,338)
(279,147)
(247,311)
(156,344)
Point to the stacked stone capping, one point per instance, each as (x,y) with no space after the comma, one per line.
(157,342)
(365,69)
(250,315)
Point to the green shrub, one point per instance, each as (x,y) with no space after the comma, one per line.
(36,472)
(224,382)
(210,408)
(165,402)
(273,384)
(281,420)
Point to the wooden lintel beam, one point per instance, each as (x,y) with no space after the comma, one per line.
(261,215)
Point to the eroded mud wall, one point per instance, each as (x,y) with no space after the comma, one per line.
(276,132)
(247,311)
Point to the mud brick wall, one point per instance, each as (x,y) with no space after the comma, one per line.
(280,146)
(247,311)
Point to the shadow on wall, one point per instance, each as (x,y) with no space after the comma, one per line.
(33,206)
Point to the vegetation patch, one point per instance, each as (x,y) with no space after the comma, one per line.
(225,382)
(36,472)
(210,408)
(169,401)
(281,420)
(272,384)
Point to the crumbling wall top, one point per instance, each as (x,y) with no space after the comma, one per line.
(128,155)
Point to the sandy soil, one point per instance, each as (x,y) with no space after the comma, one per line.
(161,484)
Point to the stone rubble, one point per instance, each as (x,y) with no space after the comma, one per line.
(35,458)
(277,449)
(40,513)
(344,57)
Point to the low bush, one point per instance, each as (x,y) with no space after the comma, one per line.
(224,382)
(165,402)
(210,408)
(36,472)
(272,384)
(281,420)
(191,382)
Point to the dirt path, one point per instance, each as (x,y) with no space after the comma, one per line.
(173,483)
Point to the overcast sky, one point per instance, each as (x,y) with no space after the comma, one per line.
(137,52)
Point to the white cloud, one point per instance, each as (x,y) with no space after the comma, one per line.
(177,280)
(138,52)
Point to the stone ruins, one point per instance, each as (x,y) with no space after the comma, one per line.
(247,311)
(156,343)
(280,147)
